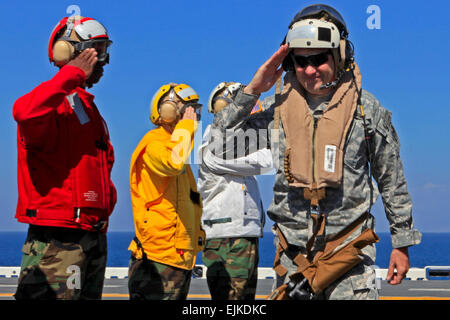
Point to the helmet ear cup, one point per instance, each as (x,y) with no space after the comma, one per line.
(219,105)
(168,111)
(63,51)
(349,50)
(346,53)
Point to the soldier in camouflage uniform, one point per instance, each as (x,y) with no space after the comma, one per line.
(316,71)
(233,227)
(232,267)
(150,280)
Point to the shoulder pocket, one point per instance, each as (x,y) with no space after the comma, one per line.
(355,149)
(386,129)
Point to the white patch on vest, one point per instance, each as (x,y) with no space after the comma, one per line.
(78,108)
(90,196)
(330,158)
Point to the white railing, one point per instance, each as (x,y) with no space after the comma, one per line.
(427,273)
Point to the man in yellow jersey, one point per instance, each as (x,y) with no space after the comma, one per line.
(166,205)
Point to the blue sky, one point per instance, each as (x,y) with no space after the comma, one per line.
(201,43)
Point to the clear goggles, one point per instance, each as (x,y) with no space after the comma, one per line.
(100,45)
(197,107)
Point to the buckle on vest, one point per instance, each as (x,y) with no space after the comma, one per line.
(315,210)
(314,195)
(319,243)
(319,222)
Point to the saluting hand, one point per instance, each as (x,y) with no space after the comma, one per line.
(86,61)
(268,73)
(189,113)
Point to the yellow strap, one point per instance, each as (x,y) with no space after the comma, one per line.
(362,110)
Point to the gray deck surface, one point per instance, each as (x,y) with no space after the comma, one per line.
(117,289)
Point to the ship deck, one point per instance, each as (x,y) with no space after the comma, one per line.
(429,283)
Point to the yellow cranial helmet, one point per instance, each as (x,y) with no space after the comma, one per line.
(169,101)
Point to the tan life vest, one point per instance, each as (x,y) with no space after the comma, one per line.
(314,148)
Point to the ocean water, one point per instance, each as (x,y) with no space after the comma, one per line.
(433,251)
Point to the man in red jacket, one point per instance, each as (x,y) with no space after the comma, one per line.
(64,166)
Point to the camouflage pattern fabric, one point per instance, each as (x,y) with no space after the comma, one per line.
(62,263)
(291,211)
(357,284)
(150,280)
(232,268)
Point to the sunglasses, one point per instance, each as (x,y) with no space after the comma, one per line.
(313,60)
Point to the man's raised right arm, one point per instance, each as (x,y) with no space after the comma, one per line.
(48,95)
(35,112)
(235,115)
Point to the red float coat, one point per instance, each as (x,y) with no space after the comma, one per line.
(64,156)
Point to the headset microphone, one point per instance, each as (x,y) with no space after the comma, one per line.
(334,83)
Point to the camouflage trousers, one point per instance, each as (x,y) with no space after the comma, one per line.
(150,280)
(232,268)
(359,283)
(62,263)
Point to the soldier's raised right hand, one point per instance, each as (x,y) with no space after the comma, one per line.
(268,73)
(86,61)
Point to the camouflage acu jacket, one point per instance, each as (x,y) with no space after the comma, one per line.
(292,213)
